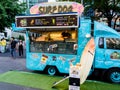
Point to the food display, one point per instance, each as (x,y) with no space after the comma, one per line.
(54,42)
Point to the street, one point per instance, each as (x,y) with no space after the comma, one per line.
(7,64)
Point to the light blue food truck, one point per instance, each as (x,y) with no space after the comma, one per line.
(57,36)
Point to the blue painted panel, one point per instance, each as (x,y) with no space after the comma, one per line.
(108,61)
(85,29)
(27,42)
(35,61)
(14,28)
(104,31)
(103,56)
(112,58)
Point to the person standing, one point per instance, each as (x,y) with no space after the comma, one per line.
(13,47)
(20,48)
(0,46)
(3,45)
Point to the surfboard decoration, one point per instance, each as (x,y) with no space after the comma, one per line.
(87,60)
(81,70)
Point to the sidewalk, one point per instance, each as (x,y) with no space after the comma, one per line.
(6,86)
(8,64)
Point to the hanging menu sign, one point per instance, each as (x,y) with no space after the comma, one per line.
(54,21)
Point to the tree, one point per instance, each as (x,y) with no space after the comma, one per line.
(8,10)
(21,37)
(106,8)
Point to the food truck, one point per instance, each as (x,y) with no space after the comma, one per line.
(56,35)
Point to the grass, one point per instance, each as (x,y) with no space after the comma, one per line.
(45,82)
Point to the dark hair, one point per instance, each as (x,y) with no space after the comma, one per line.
(12,37)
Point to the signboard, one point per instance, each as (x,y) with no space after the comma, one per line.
(45,21)
(57,7)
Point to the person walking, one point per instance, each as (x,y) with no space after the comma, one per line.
(13,47)
(20,48)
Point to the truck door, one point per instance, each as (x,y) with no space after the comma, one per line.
(113,50)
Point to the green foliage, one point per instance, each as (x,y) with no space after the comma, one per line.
(8,10)
(108,8)
(21,37)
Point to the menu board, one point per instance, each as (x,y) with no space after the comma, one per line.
(68,20)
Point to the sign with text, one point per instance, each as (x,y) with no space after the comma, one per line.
(54,21)
(57,7)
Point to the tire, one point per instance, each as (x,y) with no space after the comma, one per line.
(113,75)
(51,70)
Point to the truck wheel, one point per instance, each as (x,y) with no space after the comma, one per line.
(113,75)
(51,70)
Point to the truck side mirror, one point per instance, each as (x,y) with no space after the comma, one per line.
(87,35)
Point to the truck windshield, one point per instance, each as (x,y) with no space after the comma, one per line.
(53,41)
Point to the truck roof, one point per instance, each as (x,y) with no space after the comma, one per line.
(101,30)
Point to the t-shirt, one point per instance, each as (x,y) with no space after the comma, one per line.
(3,42)
(13,44)
(20,44)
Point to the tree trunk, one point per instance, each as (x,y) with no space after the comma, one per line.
(115,22)
(109,21)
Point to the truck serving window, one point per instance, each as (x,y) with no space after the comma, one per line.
(113,43)
(53,41)
(101,42)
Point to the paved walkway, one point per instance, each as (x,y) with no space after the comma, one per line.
(8,64)
(6,86)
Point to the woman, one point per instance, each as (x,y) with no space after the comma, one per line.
(20,48)
(3,45)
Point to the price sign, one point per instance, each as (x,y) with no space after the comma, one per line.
(68,20)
